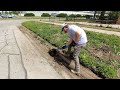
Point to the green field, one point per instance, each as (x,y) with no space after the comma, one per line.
(101,55)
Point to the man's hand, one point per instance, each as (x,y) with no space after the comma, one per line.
(73,44)
(64,47)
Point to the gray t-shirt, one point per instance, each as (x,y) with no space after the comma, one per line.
(73,29)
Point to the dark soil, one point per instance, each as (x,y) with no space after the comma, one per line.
(104,52)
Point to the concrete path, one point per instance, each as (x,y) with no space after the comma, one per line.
(19,59)
(102,31)
(117,26)
(97,24)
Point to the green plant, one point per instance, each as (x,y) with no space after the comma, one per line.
(52,34)
(29,14)
(45,15)
(62,15)
(106,70)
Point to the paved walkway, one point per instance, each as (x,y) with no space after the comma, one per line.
(19,59)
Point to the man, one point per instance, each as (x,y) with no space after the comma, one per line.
(78,39)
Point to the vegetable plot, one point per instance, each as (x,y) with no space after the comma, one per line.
(101,55)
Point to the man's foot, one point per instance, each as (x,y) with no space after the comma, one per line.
(75,72)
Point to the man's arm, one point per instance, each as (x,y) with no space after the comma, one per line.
(77,37)
(66,46)
(70,41)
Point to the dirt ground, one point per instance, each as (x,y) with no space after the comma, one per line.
(104,52)
(43,47)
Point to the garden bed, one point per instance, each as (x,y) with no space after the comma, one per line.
(101,55)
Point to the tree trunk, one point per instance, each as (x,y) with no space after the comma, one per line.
(118,20)
(102,15)
(94,18)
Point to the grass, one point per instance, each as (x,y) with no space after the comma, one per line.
(102,67)
(99,39)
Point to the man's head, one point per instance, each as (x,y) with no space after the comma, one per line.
(64,27)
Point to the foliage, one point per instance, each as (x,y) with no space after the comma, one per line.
(113,15)
(72,15)
(62,15)
(78,15)
(16,12)
(29,14)
(6,12)
(98,39)
(102,15)
(45,15)
(52,34)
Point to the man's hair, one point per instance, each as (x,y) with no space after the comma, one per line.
(66,26)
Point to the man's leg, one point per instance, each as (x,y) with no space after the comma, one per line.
(76,53)
(69,49)
(76,58)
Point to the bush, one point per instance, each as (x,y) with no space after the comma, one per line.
(75,15)
(72,15)
(29,14)
(78,15)
(62,15)
(45,15)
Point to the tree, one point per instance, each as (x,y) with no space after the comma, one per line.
(29,14)
(118,21)
(88,16)
(72,15)
(62,15)
(113,15)
(16,12)
(6,12)
(78,15)
(45,15)
(2,12)
(94,17)
(102,15)
(10,12)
